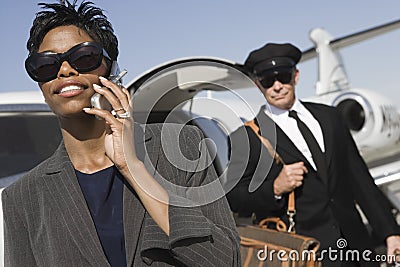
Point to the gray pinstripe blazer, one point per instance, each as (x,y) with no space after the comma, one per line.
(47,221)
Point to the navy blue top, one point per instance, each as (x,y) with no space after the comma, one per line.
(103,191)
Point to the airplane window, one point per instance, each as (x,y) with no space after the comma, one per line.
(25,141)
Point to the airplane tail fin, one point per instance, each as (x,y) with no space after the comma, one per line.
(332,75)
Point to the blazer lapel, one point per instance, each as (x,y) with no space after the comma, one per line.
(134,211)
(61,180)
(133,220)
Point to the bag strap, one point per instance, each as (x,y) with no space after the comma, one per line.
(291,209)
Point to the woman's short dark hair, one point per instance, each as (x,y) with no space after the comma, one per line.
(86,17)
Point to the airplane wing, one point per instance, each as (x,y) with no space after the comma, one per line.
(387,177)
(353,38)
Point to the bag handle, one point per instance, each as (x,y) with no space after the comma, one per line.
(291,209)
(279,224)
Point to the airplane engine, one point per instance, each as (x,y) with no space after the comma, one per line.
(373,120)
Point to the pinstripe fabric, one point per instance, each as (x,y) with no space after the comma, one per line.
(47,222)
(1,232)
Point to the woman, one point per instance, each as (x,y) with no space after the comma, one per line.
(95,201)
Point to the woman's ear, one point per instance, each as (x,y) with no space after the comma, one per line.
(114,70)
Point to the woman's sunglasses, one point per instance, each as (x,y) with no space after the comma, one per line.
(283,75)
(84,57)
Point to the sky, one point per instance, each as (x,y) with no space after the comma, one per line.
(153,32)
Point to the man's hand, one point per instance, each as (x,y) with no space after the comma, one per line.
(393,248)
(290,177)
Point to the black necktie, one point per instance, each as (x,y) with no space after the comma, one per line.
(315,149)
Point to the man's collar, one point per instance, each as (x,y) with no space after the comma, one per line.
(297,106)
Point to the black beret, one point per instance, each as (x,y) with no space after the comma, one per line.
(271,56)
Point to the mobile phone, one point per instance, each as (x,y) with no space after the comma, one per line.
(99,101)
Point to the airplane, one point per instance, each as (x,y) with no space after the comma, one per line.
(217,95)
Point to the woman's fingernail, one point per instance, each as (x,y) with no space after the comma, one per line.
(102,78)
(86,109)
(96,86)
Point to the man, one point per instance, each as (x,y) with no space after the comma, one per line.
(321,163)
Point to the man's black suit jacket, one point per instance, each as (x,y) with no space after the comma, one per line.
(325,206)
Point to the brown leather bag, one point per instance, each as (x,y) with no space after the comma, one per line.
(262,246)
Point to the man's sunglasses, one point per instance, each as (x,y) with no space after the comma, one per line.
(283,75)
(84,57)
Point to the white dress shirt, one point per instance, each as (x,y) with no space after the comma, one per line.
(289,127)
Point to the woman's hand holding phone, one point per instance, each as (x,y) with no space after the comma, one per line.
(99,101)
(117,120)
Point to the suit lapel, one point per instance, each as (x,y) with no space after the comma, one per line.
(284,146)
(62,181)
(326,127)
(327,130)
